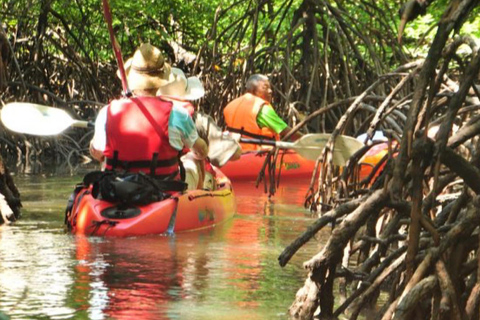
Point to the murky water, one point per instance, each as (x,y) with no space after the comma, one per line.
(229,272)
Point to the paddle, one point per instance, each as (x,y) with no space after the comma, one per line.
(310,146)
(39,120)
(116,48)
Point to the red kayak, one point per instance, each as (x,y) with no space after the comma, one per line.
(291,165)
(183,211)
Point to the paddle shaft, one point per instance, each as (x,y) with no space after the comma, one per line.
(265,142)
(116,48)
(83,124)
(279,144)
(311,146)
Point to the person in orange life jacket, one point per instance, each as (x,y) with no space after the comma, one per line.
(221,146)
(252,114)
(145,132)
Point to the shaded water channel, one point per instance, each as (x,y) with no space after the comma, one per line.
(229,272)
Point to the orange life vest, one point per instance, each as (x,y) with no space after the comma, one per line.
(241,117)
(137,137)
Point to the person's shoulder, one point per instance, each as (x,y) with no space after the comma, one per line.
(180,114)
(178,109)
(103,111)
(267,108)
(240,98)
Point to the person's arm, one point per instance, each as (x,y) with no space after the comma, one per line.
(237,155)
(200,149)
(99,140)
(267,117)
(95,153)
(222,147)
(295,136)
(182,132)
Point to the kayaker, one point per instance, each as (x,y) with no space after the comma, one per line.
(145,132)
(222,147)
(253,116)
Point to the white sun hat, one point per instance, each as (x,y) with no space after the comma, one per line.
(181,87)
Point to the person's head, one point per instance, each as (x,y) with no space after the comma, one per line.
(259,85)
(147,70)
(149,74)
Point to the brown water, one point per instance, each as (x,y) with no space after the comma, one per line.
(229,272)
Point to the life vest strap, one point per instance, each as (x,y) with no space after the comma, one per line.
(127,165)
(252,135)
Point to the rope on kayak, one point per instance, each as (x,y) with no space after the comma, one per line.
(209,194)
(97,224)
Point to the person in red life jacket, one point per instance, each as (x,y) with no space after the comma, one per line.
(222,147)
(145,132)
(252,114)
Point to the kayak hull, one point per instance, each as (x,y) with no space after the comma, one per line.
(289,164)
(292,166)
(189,211)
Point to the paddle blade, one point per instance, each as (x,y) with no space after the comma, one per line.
(35,119)
(310,146)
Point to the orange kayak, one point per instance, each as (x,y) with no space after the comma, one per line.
(292,165)
(184,211)
(289,163)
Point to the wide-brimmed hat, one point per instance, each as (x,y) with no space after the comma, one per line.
(179,86)
(147,68)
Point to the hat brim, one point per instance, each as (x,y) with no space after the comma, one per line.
(193,89)
(142,81)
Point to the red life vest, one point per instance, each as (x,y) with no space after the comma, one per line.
(241,117)
(137,136)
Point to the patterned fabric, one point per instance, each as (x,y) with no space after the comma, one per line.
(181,129)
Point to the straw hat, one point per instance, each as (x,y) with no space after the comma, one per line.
(147,69)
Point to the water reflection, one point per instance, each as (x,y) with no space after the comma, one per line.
(131,278)
(35,272)
(229,272)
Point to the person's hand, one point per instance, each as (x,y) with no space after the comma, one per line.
(199,156)
(235,136)
(200,149)
(262,152)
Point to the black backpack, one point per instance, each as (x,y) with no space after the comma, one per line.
(130,188)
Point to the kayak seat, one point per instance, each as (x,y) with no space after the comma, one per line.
(120,212)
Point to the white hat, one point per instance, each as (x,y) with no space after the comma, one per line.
(179,86)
